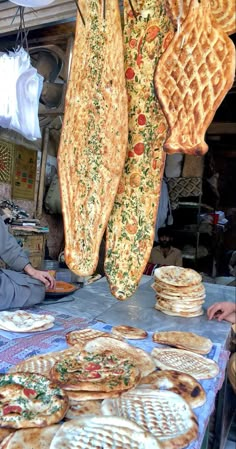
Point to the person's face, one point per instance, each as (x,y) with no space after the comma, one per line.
(165,241)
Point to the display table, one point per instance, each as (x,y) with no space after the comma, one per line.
(94,306)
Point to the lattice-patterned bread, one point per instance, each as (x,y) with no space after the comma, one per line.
(103,432)
(192,78)
(163,413)
(94,135)
(223,12)
(130,229)
(185,361)
(81,336)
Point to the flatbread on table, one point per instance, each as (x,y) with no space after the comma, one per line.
(140,358)
(30,400)
(186,362)
(79,337)
(103,432)
(22,321)
(88,407)
(96,372)
(184,314)
(4,432)
(42,364)
(184,340)
(129,332)
(82,396)
(38,438)
(163,413)
(180,383)
(177,276)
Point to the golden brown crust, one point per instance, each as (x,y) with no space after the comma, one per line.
(192,78)
(184,340)
(223,12)
(130,332)
(94,135)
(31,438)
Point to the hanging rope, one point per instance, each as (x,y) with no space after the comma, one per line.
(21,37)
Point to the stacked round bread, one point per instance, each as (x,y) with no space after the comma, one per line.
(179,291)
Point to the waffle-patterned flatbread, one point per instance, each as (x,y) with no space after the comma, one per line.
(83,335)
(22,321)
(223,12)
(103,432)
(31,438)
(129,332)
(179,383)
(163,413)
(130,230)
(184,340)
(94,134)
(177,276)
(192,78)
(120,349)
(186,362)
(30,400)
(42,364)
(95,372)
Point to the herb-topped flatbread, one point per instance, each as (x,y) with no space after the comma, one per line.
(30,400)
(96,372)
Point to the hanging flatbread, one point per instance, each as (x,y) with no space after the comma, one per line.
(120,349)
(30,400)
(163,413)
(184,340)
(129,332)
(22,321)
(179,383)
(103,432)
(79,337)
(186,362)
(177,276)
(95,372)
(31,438)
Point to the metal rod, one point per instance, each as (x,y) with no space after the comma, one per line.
(79,11)
(104,9)
(133,10)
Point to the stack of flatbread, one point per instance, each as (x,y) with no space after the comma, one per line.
(179,291)
(22,321)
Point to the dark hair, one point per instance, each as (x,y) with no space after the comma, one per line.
(167,232)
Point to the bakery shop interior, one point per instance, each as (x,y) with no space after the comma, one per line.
(117,224)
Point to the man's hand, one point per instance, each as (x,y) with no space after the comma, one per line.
(42,276)
(223,311)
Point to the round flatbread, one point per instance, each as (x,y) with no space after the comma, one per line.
(30,400)
(103,432)
(186,362)
(121,349)
(179,383)
(186,314)
(80,337)
(171,290)
(31,438)
(177,276)
(129,332)
(163,413)
(4,433)
(96,372)
(22,321)
(77,409)
(184,340)
(81,396)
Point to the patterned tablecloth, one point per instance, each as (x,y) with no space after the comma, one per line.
(14,350)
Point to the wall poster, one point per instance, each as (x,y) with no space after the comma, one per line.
(24,173)
(6,161)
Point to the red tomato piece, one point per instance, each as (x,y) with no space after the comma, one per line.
(118,371)
(133,43)
(129,73)
(130,154)
(152,33)
(141,119)
(11,409)
(29,393)
(139,60)
(139,148)
(94,375)
(92,366)
(154,164)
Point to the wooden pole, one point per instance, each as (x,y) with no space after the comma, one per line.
(42,173)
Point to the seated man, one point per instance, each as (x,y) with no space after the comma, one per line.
(21,285)
(226,311)
(164,253)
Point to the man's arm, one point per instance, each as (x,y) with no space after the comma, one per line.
(179,259)
(10,252)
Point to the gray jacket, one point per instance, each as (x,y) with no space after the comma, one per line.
(16,288)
